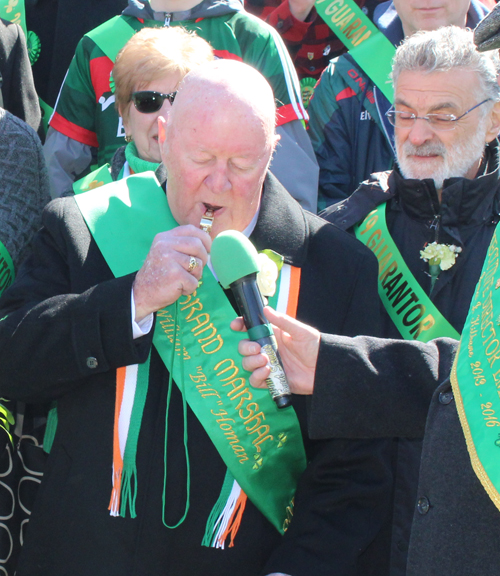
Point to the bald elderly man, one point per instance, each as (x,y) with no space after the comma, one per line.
(165,460)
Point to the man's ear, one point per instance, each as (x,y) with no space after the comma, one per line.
(493,128)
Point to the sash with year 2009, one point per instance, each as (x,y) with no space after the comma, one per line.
(409,307)
(475,375)
(261,446)
(366,44)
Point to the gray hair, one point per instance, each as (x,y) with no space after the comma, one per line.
(448,48)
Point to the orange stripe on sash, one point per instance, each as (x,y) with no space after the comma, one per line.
(235,520)
(114,503)
(293,294)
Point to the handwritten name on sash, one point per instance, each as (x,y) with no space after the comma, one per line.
(223,383)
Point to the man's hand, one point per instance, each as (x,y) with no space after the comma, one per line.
(298,345)
(301,8)
(166,274)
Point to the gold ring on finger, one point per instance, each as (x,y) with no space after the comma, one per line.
(192,264)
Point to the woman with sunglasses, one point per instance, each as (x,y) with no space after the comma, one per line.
(146,74)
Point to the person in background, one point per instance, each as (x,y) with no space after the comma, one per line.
(309,39)
(351,135)
(374,388)
(17,90)
(85,121)
(24,191)
(431,219)
(54,29)
(146,74)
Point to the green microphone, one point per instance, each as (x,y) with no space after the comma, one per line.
(234,260)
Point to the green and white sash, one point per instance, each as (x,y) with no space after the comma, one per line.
(475,375)
(261,445)
(112,35)
(410,308)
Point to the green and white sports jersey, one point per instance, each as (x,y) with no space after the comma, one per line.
(85,109)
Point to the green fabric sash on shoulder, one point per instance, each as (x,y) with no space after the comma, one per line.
(475,376)
(6,268)
(14,11)
(410,308)
(112,36)
(372,51)
(261,445)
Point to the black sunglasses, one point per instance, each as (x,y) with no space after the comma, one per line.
(149,101)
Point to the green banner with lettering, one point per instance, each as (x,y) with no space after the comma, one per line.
(410,308)
(14,11)
(260,444)
(475,376)
(366,44)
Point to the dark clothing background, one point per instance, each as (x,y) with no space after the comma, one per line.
(373,388)
(60,25)
(466,217)
(16,80)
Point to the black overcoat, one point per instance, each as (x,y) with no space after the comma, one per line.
(371,388)
(68,327)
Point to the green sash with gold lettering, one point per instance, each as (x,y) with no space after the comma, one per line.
(14,11)
(261,445)
(475,376)
(410,308)
(372,51)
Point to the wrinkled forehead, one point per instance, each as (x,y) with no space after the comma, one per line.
(452,88)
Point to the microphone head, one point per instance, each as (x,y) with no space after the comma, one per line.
(233,256)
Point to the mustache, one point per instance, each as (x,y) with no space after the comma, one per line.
(425,149)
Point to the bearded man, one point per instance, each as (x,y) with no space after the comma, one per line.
(350,133)
(431,219)
(155,417)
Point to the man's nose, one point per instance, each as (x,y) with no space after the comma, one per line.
(218,181)
(420,132)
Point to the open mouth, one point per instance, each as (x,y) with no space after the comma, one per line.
(212,207)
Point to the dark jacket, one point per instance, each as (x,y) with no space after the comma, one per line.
(374,388)
(66,308)
(350,133)
(59,25)
(24,185)
(466,217)
(16,80)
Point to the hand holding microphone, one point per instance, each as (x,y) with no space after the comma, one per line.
(235,263)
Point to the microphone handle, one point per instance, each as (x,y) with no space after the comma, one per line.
(251,307)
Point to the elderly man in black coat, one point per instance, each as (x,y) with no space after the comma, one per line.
(184,454)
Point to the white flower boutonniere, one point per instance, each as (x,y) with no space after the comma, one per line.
(440,257)
(266,278)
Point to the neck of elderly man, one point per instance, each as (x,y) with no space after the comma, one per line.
(422,151)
